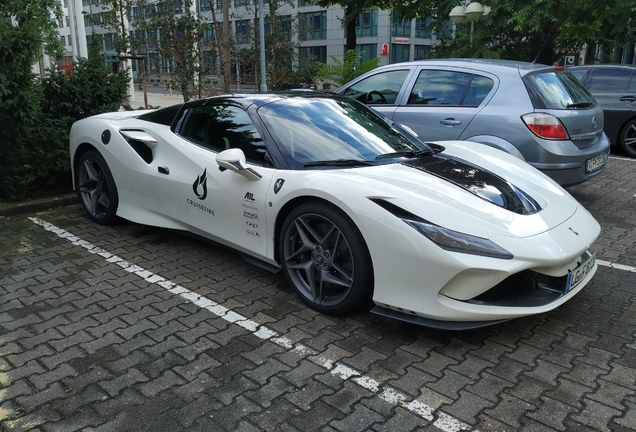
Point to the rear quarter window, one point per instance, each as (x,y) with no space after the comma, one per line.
(557,90)
(163,116)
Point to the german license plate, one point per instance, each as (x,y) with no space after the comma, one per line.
(578,274)
(594,163)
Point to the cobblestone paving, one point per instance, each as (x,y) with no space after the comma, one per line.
(131,328)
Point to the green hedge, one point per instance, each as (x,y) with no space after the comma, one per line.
(36,115)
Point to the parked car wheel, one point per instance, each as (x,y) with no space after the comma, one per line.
(628,138)
(95,185)
(325,259)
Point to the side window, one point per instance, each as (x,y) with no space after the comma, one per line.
(220,127)
(434,87)
(382,88)
(609,81)
(479,88)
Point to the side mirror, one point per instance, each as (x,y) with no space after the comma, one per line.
(234,160)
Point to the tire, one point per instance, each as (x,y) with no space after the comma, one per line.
(627,138)
(95,185)
(325,259)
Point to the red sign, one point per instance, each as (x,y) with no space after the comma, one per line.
(385,49)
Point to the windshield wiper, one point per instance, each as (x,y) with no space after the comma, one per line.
(339,162)
(579,105)
(408,153)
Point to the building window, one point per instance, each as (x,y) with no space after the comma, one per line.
(401,27)
(63,40)
(315,25)
(399,53)
(206,5)
(421,26)
(317,52)
(219,4)
(367,23)
(242,31)
(208,32)
(422,52)
(370,51)
(87,21)
(209,61)
(307,3)
(238,3)
(108,42)
(444,31)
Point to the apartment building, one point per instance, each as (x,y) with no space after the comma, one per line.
(380,33)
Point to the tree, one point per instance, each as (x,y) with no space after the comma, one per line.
(176,31)
(352,9)
(344,69)
(541,30)
(28,29)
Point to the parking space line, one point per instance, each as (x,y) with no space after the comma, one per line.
(616,266)
(622,158)
(443,421)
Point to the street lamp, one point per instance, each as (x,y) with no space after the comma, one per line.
(473,11)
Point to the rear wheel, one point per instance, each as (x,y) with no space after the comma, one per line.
(627,138)
(325,259)
(95,185)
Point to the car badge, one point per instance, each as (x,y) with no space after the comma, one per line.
(202,181)
(572,229)
(279,184)
(594,122)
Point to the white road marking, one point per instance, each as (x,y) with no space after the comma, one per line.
(622,158)
(617,266)
(444,422)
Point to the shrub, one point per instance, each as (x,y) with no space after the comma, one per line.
(39,114)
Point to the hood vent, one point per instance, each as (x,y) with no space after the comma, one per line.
(478,181)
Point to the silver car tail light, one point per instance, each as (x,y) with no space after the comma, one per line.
(545,126)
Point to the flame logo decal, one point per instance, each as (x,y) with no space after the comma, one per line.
(202,181)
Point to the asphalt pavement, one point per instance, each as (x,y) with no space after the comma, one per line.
(132,328)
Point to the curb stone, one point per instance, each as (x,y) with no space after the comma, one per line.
(14,208)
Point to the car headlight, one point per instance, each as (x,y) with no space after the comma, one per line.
(456,241)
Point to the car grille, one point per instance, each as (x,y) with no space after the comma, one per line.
(524,289)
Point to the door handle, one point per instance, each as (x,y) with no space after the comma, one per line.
(163,170)
(628,99)
(450,122)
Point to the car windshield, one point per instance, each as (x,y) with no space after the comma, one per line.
(315,129)
(558,90)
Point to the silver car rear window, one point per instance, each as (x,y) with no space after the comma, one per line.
(558,90)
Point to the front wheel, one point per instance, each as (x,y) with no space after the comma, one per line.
(325,259)
(627,138)
(96,187)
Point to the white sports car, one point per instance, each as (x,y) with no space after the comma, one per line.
(354,209)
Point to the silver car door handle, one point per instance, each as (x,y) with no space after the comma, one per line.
(628,99)
(450,122)
(163,170)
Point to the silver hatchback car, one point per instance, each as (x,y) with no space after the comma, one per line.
(541,114)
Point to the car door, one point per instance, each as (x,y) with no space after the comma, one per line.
(615,91)
(440,104)
(381,91)
(192,188)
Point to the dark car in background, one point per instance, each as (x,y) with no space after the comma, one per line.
(541,114)
(614,88)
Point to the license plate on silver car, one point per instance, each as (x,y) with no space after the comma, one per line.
(578,274)
(594,163)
